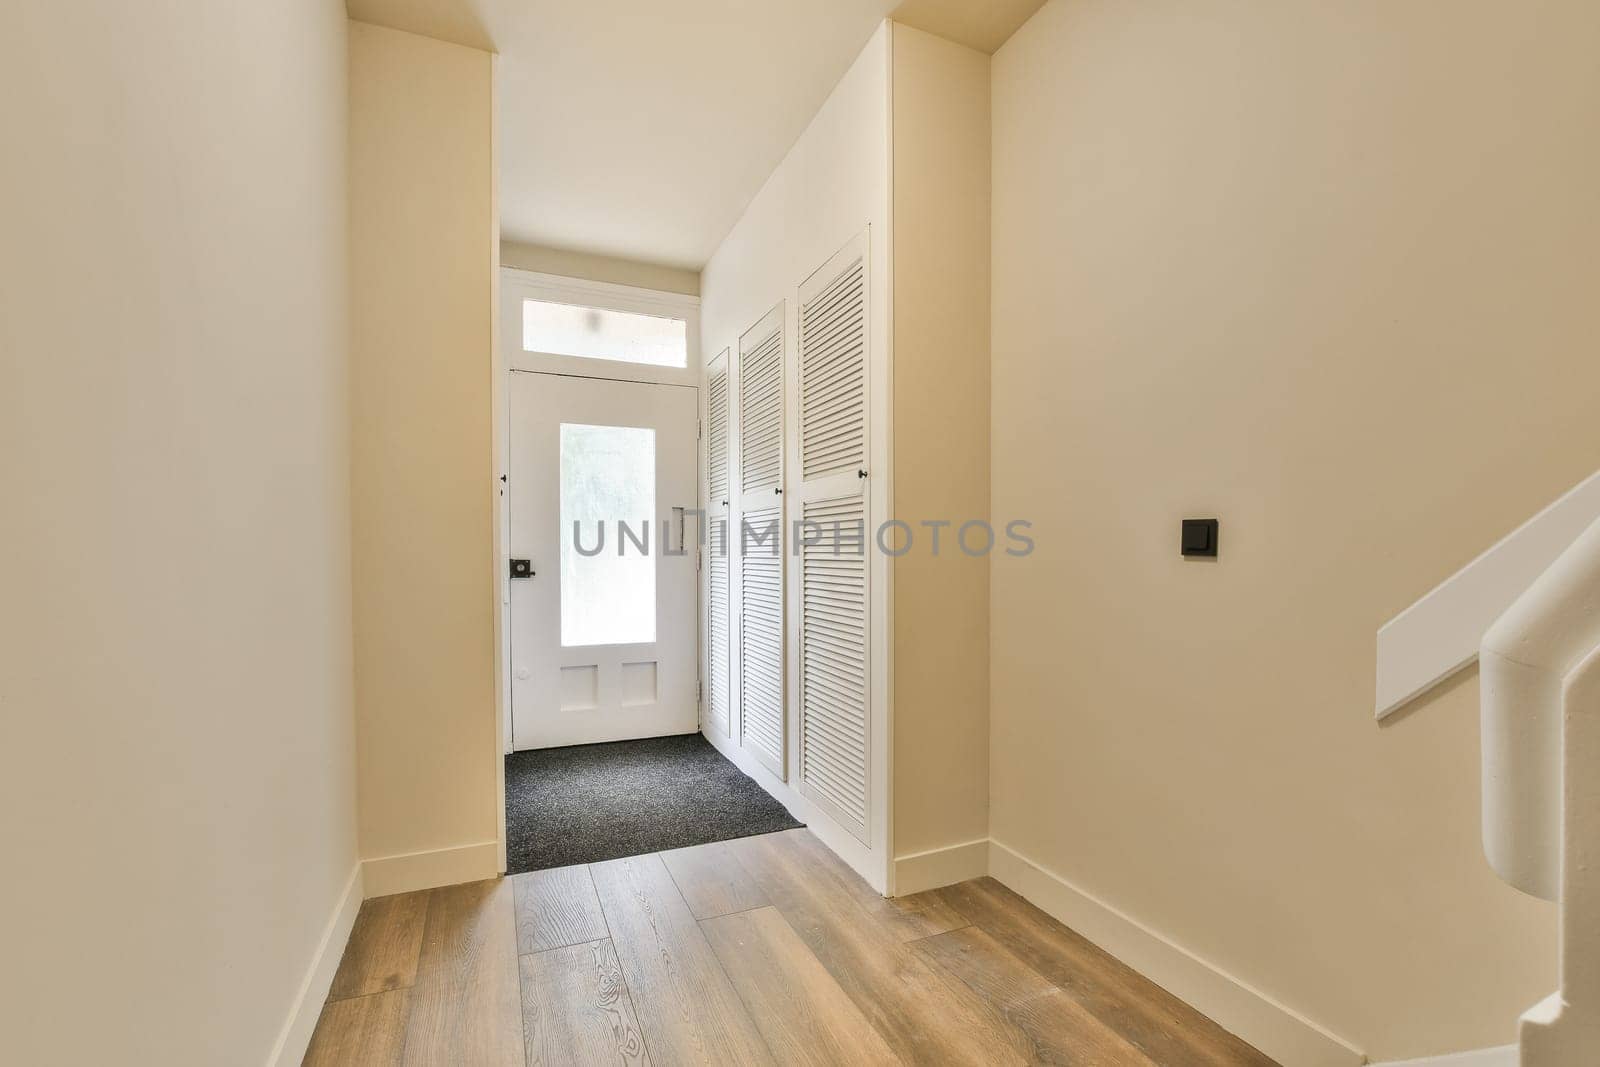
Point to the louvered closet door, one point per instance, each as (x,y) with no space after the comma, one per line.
(716,546)
(761,409)
(761,647)
(835,727)
(757,535)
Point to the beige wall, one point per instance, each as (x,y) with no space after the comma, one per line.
(940,131)
(1325,271)
(177,798)
(423,249)
(570,264)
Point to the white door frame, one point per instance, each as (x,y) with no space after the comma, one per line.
(515,286)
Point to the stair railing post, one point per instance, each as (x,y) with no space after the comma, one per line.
(1564,1029)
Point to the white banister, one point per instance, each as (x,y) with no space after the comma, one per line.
(1438,636)
(1540,686)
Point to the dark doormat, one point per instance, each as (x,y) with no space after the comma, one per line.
(589,803)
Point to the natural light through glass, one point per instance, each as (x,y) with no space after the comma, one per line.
(595,333)
(608,477)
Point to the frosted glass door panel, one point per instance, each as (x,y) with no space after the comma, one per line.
(608,489)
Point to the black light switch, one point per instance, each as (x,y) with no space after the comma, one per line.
(1200,537)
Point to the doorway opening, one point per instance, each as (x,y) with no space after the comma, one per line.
(606,541)
(600,492)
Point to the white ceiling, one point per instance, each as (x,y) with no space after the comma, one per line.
(642,128)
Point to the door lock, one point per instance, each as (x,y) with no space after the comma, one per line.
(522,568)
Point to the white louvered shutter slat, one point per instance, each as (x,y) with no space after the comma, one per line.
(833,360)
(834,729)
(760,709)
(761,414)
(717,437)
(833,690)
(761,646)
(718,702)
(717,585)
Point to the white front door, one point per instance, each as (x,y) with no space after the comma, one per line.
(602,491)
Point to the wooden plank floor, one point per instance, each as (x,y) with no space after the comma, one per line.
(763,950)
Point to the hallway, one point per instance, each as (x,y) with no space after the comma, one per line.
(917,531)
(764,949)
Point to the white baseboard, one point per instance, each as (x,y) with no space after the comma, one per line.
(386,875)
(1247,1013)
(941,866)
(295,1036)
(1504,1056)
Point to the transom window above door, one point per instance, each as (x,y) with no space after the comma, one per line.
(592,329)
(603,333)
